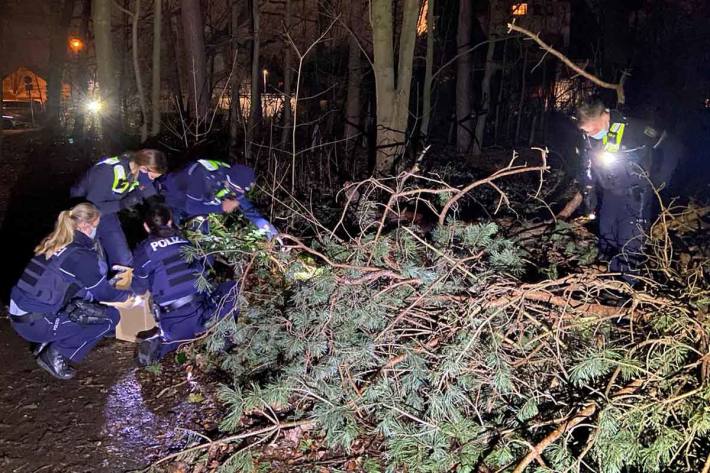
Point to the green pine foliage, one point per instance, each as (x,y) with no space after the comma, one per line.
(430,346)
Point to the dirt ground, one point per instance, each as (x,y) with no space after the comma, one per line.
(111,417)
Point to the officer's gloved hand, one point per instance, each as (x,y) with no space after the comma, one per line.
(146,184)
(131,200)
(123,278)
(86,313)
(269,230)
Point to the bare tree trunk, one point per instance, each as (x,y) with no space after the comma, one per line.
(155,87)
(193,30)
(428,68)
(174,75)
(57,59)
(255,99)
(287,112)
(82,71)
(106,70)
(393,86)
(137,71)
(498,11)
(352,101)
(464,79)
(234,106)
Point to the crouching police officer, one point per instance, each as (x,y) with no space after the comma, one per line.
(181,311)
(623,160)
(206,187)
(54,304)
(116,184)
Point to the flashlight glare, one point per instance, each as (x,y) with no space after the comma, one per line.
(608,158)
(94,106)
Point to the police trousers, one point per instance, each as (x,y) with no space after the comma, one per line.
(113,240)
(72,340)
(186,323)
(624,223)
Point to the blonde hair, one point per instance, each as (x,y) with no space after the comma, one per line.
(67,223)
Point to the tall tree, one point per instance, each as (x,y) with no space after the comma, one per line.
(352,101)
(63,11)
(393,79)
(464,77)
(287,78)
(255,98)
(82,72)
(193,31)
(106,70)
(497,16)
(155,88)
(235,82)
(428,68)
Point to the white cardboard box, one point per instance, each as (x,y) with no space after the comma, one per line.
(135,320)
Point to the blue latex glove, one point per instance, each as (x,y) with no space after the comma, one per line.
(263,224)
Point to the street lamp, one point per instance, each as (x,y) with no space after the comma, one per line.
(265,73)
(76,45)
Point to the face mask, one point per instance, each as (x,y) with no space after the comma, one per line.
(600,135)
(92,234)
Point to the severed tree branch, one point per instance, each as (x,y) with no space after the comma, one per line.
(619,88)
(587,411)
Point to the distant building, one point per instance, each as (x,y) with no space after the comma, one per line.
(25,85)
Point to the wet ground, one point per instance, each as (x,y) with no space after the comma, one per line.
(112,417)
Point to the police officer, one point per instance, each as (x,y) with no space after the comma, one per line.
(623,160)
(115,184)
(207,186)
(181,311)
(54,303)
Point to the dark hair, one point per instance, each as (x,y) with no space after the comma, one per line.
(152,159)
(588,111)
(158,219)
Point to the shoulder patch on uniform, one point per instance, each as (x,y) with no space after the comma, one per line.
(650,132)
(113,160)
(211,164)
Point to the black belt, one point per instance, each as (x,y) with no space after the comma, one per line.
(27,318)
(178,303)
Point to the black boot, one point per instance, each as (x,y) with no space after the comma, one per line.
(55,363)
(149,351)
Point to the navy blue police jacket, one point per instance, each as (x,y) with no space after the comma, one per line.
(160,267)
(200,188)
(629,158)
(109,181)
(75,271)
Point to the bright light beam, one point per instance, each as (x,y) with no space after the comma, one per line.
(94,106)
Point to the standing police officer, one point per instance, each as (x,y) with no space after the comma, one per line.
(207,186)
(181,311)
(623,160)
(54,303)
(115,184)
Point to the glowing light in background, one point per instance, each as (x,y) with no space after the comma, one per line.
(94,106)
(75,44)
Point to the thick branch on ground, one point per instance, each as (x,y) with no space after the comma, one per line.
(586,412)
(619,88)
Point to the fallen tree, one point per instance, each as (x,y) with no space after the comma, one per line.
(444,353)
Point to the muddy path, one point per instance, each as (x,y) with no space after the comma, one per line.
(112,417)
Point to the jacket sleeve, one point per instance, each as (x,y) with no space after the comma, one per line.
(199,200)
(84,267)
(254,216)
(142,270)
(98,185)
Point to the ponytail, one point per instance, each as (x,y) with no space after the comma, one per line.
(158,220)
(65,227)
